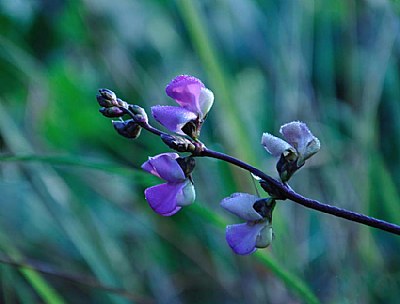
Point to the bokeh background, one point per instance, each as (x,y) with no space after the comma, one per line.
(71,189)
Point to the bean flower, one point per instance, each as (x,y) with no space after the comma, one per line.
(256,233)
(299,146)
(194,100)
(178,191)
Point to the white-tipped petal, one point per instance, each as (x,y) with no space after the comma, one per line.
(265,236)
(274,145)
(206,100)
(241,204)
(187,195)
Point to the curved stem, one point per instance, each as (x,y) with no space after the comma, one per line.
(309,203)
(144,124)
(284,189)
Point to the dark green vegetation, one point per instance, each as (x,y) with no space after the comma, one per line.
(71,193)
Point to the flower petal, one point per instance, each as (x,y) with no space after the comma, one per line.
(299,136)
(163,198)
(185,90)
(242,238)
(173,118)
(274,145)
(165,166)
(265,236)
(241,204)
(206,100)
(186,195)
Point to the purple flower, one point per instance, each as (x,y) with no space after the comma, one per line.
(178,191)
(257,231)
(195,101)
(300,142)
(300,146)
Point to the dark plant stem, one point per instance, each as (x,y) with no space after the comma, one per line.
(286,191)
(309,203)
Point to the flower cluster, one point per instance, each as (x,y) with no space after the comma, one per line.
(194,100)
(186,120)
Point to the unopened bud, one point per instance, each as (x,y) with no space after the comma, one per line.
(128,128)
(106,98)
(122,103)
(179,144)
(112,112)
(140,113)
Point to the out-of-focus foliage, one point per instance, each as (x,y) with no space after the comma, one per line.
(72,198)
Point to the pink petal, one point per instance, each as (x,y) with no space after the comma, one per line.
(274,145)
(242,238)
(185,90)
(162,198)
(241,204)
(173,118)
(166,167)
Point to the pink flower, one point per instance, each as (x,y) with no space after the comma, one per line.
(195,101)
(178,191)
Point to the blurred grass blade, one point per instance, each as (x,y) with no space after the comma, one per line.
(43,289)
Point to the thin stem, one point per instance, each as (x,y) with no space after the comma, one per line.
(144,124)
(284,189)
(309,203)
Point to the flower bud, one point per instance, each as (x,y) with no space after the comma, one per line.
(128,128)
(106,98)
(122,103)
(140,113)
(179,144)
(112,112)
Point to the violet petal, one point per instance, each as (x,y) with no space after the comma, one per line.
(165,166)
(162,198)
(297,134)
(241,204)
(173,118)
(242,238)
(185,90)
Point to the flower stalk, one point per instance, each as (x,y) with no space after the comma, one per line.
(186,120)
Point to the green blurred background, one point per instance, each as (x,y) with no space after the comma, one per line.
(71,189)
